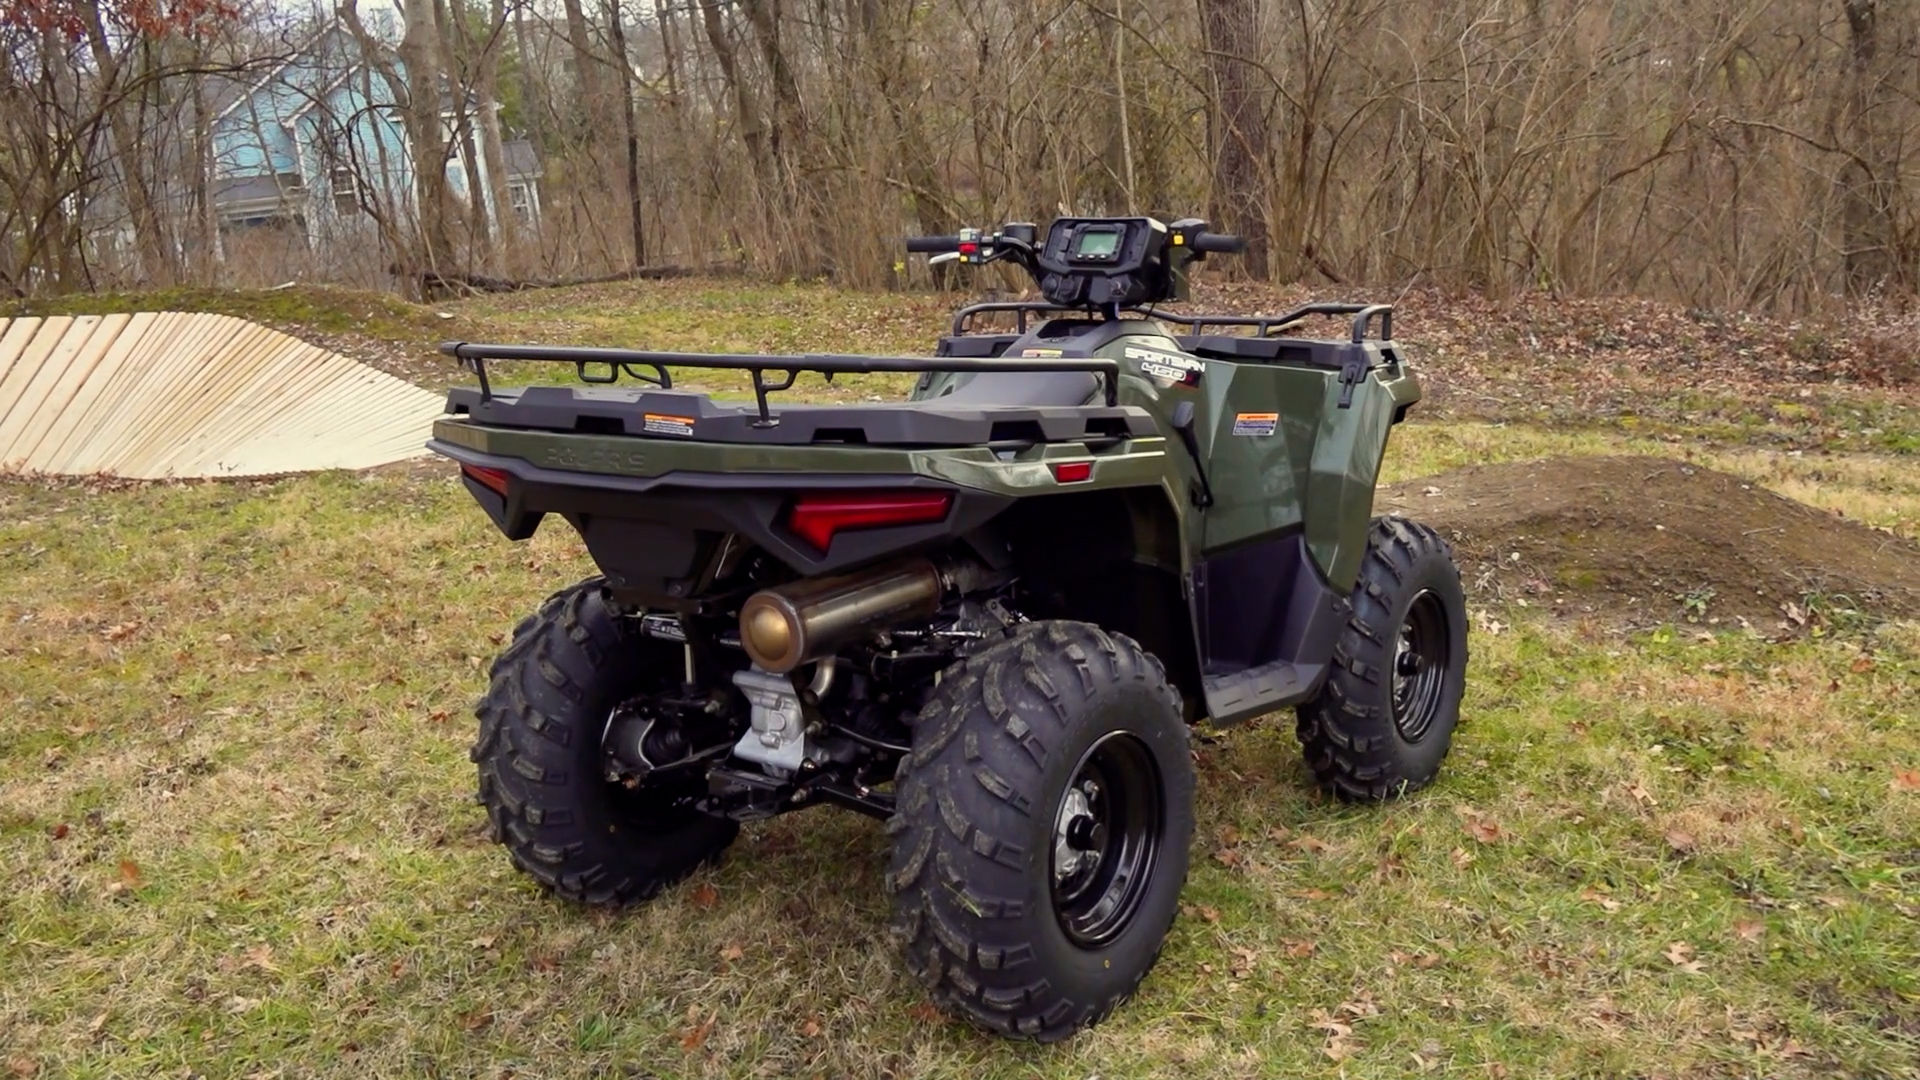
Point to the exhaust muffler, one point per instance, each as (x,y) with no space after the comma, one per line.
(784,627)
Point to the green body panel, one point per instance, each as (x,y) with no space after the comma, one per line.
(1316,468)
(1257,479)
(1345,466)
(1312,466)
(1134,463)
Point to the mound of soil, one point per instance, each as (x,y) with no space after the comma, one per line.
(1642,538)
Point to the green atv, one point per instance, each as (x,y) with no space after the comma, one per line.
(986,615)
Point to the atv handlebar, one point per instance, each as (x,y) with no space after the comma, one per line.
(932,245)
(1219,243)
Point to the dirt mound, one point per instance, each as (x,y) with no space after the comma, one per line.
(1646,538)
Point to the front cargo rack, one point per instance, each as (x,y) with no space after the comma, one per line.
(595,364)
(1263,325)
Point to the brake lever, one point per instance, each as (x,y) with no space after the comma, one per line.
(944,257)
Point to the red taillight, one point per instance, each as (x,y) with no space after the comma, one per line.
(494,480)
(1072,472)
(816,518)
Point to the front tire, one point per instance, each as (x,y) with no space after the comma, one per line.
(1041,831)
(1384,721)
(542,774)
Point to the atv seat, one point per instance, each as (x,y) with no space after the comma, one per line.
(1018,388)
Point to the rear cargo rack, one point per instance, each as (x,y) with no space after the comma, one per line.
(627,362)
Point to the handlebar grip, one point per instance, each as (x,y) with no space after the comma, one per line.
(933,245)
(1220,243)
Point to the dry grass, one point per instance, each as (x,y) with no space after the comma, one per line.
(237,837)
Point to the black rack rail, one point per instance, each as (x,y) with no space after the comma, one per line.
(628,362)
(1263,325)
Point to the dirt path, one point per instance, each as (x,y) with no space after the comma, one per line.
(1645,539)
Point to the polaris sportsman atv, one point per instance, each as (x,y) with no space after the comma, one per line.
(985,615)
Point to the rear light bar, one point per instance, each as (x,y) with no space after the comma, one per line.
(494,480)
(818,518)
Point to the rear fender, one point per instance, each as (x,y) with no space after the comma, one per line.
(1115,558)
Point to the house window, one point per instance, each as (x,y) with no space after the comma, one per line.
(341,177)
(520,197)
(346,190)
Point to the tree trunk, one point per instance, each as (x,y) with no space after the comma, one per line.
(788,121)
(1238,133)
(1867,178)
(480,61)
(586,67)
(156,268)
(746,114)
(417,50)
(625,64)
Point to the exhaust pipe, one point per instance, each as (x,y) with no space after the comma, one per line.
(784,627)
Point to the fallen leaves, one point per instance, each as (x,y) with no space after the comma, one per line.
(476,1020)
(130,878)
(1338,1025)
(1244,960)
(1203,912)
(1681,841)
(696,1034)
(1749,929)
(1299,950)
(1906,780)
(1485,830)
(1595,896)
(705,896)
(1681,955)
(59,832)
(122,631)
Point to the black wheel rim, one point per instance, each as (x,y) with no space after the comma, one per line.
(1106,838)
(1422,655)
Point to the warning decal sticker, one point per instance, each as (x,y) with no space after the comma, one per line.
(660,424)
(1256,423)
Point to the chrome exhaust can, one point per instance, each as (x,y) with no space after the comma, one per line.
(784,627)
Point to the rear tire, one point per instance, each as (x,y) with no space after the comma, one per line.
(542,773)
(1384,721)
(1059,741)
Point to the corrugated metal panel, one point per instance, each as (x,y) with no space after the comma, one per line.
(167,394)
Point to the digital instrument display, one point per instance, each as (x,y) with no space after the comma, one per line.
(1100,244)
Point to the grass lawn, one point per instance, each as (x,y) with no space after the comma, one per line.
(237,835)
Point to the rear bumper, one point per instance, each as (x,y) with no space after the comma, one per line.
(646,532)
